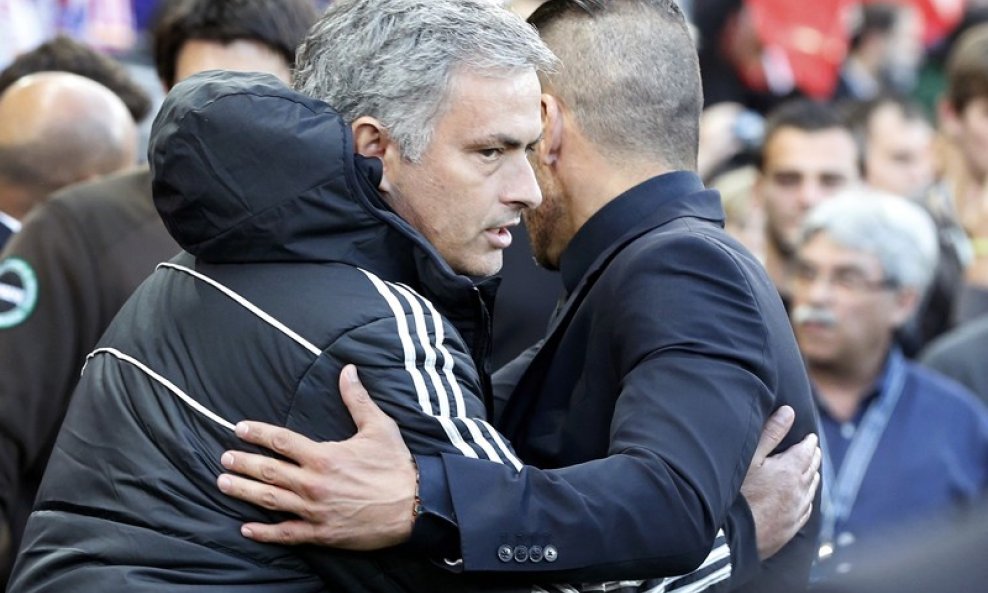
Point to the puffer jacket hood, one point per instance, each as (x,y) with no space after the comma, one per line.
(247,170)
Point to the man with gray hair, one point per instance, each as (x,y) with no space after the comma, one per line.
(57,128)
(261,186)
(901,443)
(646,401)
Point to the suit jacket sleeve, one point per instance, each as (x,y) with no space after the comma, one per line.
(696,383)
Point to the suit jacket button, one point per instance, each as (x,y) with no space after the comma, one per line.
(521,554)
(505,553)
(550,554)
(535,554)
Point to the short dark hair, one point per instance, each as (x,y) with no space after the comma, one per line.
(279,24)
(967,68)
(629,74)
(801,114)
(63,54)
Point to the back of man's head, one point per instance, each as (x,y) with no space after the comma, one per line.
(805,115)
(57,128)
(64,54)
(395,60)
(277,24)
(967,68)
(629,74)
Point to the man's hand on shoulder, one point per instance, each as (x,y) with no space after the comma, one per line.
(780,489)
(357,494)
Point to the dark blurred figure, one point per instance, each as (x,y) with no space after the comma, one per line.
(885,53)
(960,354)
(88,248)
(56,128)
(760,53)
(946,555)
(63,54)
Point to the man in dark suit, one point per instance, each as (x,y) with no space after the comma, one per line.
(648,396)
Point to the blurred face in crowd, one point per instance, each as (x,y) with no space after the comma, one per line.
(904,50)
(199,55)
(899,152)
(844,309)
(800,169)
(474,180)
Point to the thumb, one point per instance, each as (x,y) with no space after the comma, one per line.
(776,429)
(356,399)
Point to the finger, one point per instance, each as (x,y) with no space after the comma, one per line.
(809,493)
(814,466)
(263,468)
(776,429)
(285,442)
(805,517)
(286,532)
(356,399)
(263,495)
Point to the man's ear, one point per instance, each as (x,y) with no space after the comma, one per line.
(371,139)
(552,130)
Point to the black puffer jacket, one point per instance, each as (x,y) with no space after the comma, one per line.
(293,268)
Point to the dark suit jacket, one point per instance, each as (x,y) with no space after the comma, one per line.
(652,387)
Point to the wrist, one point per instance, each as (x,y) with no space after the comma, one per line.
(416,498)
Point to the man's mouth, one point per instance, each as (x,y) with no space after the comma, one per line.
(500,237)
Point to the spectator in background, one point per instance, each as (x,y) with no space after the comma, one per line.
(896,145)
(808,155)
(57,128)
(900,442)
(960,355)
(963,114)
(89,247)
(885,53)
(64,54)
(896,142)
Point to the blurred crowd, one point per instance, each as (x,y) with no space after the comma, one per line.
(848,140)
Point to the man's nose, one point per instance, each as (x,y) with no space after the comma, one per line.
(521,189)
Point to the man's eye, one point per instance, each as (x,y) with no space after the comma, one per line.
(490,153)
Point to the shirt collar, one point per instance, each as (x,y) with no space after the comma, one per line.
(647,204)
(893,364)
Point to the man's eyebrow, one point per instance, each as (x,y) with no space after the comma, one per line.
(504,140)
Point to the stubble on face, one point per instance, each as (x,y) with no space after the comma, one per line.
(544,224)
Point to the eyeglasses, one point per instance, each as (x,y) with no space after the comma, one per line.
(845,280)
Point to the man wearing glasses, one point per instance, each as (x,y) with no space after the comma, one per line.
(901,443)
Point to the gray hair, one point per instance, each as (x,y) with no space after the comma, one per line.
(895,230)
(394,59)
(630,74)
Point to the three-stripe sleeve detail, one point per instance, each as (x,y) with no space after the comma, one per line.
(451,413)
